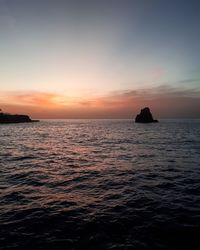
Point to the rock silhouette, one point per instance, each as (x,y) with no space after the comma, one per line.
(8,118)
(145,116)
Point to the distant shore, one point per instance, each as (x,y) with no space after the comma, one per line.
(9,118)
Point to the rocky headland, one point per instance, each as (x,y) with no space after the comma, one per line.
(9,118)
(145,116)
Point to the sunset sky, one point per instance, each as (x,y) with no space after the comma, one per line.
(100,58)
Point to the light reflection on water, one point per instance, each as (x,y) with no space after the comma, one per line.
(100,184)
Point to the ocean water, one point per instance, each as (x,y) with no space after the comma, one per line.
(100,184)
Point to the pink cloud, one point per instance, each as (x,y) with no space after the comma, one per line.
(158,73)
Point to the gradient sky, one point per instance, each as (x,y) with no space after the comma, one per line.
(100,58)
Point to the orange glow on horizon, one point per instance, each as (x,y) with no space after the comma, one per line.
(115,105)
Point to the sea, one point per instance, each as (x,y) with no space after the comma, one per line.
(100,184)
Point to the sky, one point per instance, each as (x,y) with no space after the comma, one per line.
(100,58)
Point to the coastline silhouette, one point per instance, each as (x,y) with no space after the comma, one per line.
(14,118)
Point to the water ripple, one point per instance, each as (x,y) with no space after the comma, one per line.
(106,184)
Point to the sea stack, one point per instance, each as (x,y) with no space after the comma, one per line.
(145,116)
(9,118)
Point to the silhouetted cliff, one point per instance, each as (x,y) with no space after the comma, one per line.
(145,116)
(8,118)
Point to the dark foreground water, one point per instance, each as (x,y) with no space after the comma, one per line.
(106,184)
